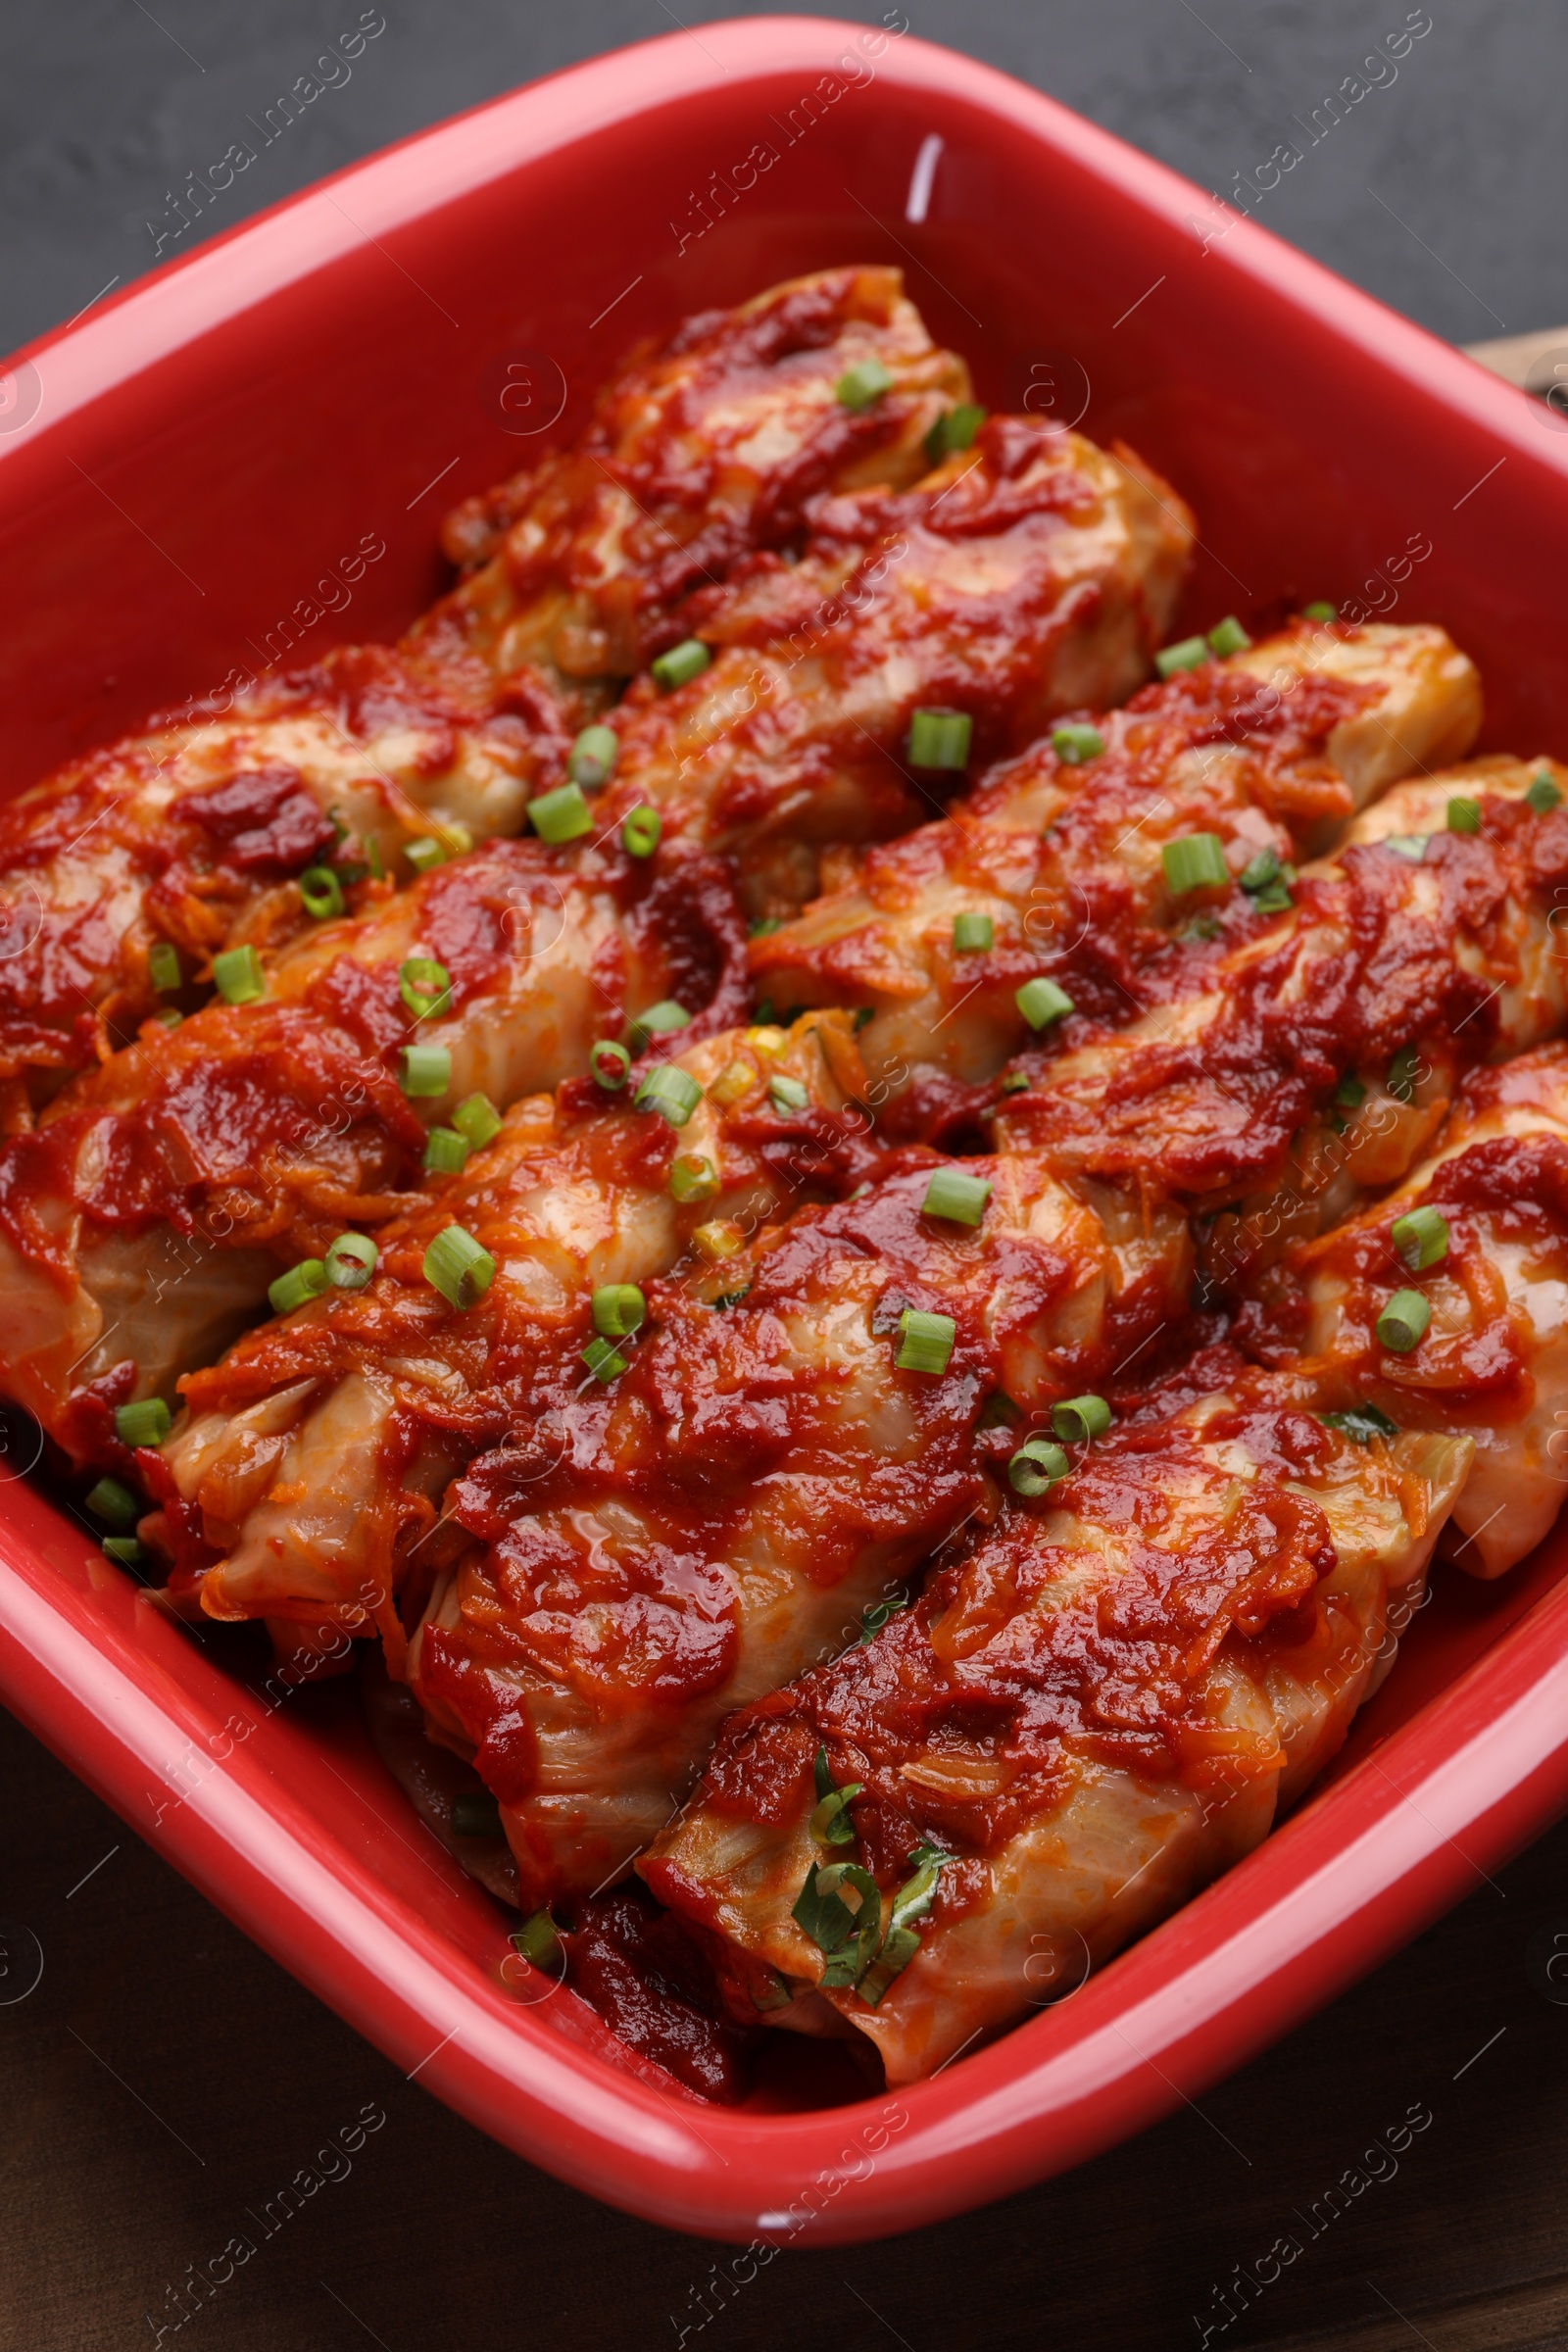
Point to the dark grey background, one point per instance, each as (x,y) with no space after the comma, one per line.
(1445,191)
(163,2077)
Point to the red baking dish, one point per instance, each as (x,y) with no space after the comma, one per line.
(178,471)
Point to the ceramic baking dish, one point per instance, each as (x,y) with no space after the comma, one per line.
(182,473)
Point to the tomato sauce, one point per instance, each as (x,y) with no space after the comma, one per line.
(645,1974)
(1364,965)
(1008,1695)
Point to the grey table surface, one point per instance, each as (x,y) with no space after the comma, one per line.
(163,2078)
(1442,190)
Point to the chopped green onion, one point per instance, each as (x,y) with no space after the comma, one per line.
(671,1092)
(1464,817)
(873,1617)
(973,934)
(238,977)
(593,757)
(1041,1002)
(124,1550)
(617,1308)
(373,859)
(764,926)
(1403,1073)
(458,1267)
(476,1813)
(1200,927)
(425,853)
(608,1065)
(603,1361)
(322,892)
(1016,1082)
(820,1914)
(1037,1465)
(955,429)
(1227,636)
(925,1341)
(351,1262)
(961,423)
(424,985)
(458,840)
(1074,743)
(1361,1423)
(787,1095)
(1421,1237)
(639,835)
(682,663)
(114,1504)
(144,1424)
(1350,1094)
(864,1015)
(1268,882)
(660,1021)
(168,1018)
(1079,1419)
(162,967)
(446,1151)
(960,1199)
(865,381)
(1402,1321)
(1321,612)
(1187,654)
(308,1280)
(1194,861)
(1408,845)
(693,1177)
(478,1118)
(830,1823)
(561,815)
(537,1941)
(425,1070)
(939,739)
(912,1901)
(1543,795)
(847,1939)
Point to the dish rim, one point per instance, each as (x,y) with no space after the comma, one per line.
(1480,1768)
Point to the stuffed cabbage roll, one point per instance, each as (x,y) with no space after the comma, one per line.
(308,1469)
(143,1220)
(133,866)
(840,697)
(1057,864)
(1301,1059)
(1098,1709)
(1443,1308)
(787,1440)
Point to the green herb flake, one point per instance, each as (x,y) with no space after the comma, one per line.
(1360,1423)
(900,1944)
(1404,1071)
